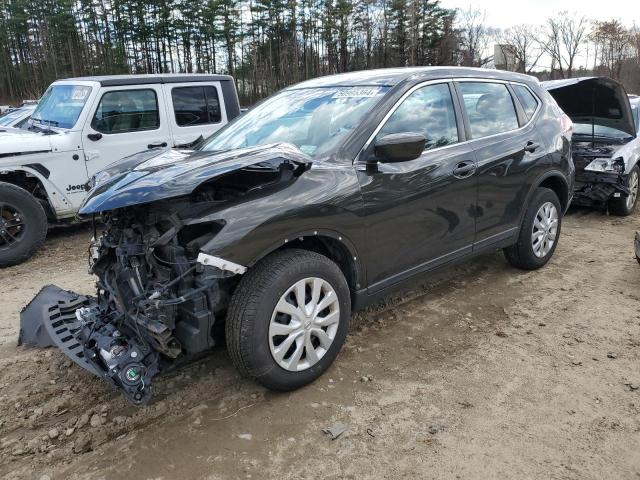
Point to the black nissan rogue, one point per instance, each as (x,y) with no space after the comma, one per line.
(314,203)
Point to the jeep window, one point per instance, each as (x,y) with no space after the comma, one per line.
(489,107)
(429,111)
(61,106)
(196,105)
(127,111)
(316,120)
(527,100)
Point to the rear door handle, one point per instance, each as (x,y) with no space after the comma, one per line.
(531,147)
(464,169)
(157,145)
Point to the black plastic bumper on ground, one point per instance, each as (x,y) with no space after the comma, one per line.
(50,319)
(638,246)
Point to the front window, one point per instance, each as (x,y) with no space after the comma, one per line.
(123,111)
(61,106)
(316,120)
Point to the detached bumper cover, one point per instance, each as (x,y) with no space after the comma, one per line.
(637,242)
(72,322)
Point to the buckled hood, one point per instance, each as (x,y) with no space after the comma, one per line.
(600,100)
(152,175)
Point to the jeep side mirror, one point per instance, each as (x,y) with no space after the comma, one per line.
(399,147)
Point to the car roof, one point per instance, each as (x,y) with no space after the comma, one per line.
(120,80)
(390,77)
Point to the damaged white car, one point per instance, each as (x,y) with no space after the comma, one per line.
(605,143)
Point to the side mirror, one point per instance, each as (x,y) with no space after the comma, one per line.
(399,147)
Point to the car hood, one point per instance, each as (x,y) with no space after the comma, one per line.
(600,100)
(14,142)
(156,175)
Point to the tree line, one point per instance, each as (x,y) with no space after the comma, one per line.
(269,44)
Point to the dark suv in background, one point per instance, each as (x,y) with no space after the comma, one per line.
(314,203)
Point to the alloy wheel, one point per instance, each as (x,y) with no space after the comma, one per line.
(633,189)
(304,324)
(11,225)
(545,229)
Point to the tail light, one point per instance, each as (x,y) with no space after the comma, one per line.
(566,124)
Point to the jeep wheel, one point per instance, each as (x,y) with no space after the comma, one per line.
(288,319)
(23,225)
(623,206)
(539,234)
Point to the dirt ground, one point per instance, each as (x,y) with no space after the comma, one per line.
(481,371)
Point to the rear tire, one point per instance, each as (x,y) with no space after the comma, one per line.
(23,225)
(540,232)
(624,206)
(258,332)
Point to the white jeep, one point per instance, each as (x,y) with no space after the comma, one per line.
(80,126)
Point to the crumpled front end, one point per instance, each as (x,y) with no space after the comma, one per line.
(597,187)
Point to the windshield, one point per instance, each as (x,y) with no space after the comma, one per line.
(598,130)
(61,105)
(11,117)
(316,120)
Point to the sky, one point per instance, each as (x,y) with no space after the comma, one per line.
(504,14)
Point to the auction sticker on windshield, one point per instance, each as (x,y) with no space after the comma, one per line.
(80,93)
(357,93)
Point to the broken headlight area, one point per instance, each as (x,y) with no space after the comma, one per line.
(156,305)
(599,177)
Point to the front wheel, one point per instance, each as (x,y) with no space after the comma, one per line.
(540,232)
(288,319)
(23,225)
(624,206)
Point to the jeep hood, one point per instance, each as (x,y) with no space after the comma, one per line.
(600,100)
(15,142)
(156,175)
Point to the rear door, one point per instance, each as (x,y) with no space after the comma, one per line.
(420,213)
(125,120)
(507,148)
(195,109)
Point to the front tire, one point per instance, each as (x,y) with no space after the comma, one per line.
(288,318)
(540,232)
(624,206)
(23,225)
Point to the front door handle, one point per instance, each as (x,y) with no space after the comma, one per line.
(464,169)
(531,147)
(157,145)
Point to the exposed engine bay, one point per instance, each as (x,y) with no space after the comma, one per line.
(159,297)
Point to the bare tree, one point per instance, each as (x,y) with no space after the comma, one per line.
(523,44)
(614,43)
(474,37)
(564,38)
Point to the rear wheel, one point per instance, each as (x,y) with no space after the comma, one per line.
(539,234)
(288,319)
(23,225)
(624,206)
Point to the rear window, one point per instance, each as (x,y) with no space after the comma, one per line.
(527,100)
(196,105)
(490,108)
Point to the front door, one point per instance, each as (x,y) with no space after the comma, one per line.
(420,213)
(123,121)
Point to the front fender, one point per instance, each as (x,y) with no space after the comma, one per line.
(57,200)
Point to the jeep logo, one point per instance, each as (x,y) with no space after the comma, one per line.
(75,188)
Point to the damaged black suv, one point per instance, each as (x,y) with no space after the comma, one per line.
(314,203)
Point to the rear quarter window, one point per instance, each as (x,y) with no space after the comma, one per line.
(528,101)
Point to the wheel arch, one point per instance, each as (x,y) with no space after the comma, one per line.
(333,245)
(556,182)
(35,183)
